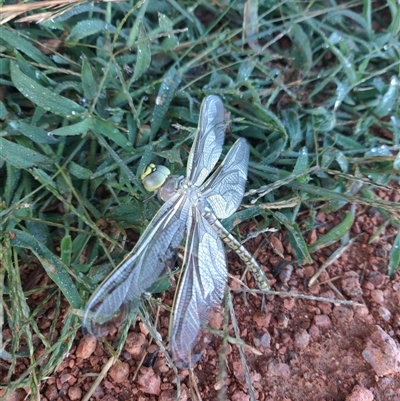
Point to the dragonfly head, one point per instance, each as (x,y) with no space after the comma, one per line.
(154,177)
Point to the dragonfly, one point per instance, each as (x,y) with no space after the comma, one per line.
(192,208)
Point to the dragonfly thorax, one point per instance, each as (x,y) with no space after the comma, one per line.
(179,184)
(158,179)
(169,188)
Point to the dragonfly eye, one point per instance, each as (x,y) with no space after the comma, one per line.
(153,177)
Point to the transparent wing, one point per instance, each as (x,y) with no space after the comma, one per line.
(201,289)
(225,188)
(123,288)
(207,145)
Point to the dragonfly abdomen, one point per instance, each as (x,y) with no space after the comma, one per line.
(241,251)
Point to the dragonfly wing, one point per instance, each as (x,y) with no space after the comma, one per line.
(207,145)
(201,290)
(225,188)
(123,288)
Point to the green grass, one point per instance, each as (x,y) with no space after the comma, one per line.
(313,86)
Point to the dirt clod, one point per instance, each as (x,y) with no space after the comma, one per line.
(75,393)
(279,369)
(351,284)
(382,353)
(240,396)
(149,381)
(360,393)
(18,395)
(86,347)
(119,372)
(135,344)
(171,395)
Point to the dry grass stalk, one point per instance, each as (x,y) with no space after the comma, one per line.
(57,7)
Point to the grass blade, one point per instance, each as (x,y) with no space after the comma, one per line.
(43,97)
(53,265)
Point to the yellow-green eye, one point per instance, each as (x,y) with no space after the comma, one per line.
(153,177)
(150,168)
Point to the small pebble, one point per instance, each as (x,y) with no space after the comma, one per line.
(308,271)
(314,332)
(65,378)
(261,319)
(362,311)
(119,372)
(351,284)
(239,395)
(51,392)
(302,339)
(385,313)
(322,321)
(279,369)
(289,303)
(377,279)
(262,340)
(343,314)
(283,321)
(135,345)
(277,244)
(17,395)
(86,346)
(286,273)
(75,393)
(160,365)
(368,286)
(360,394)
(377,296)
